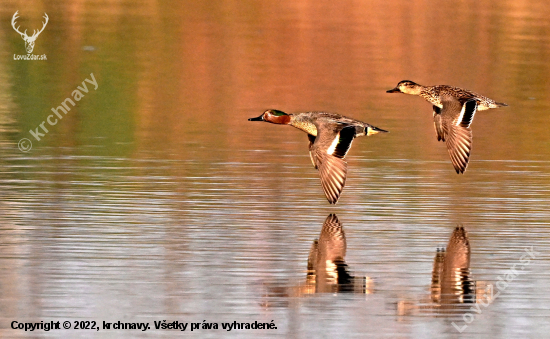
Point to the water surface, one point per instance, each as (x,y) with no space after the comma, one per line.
(155,199)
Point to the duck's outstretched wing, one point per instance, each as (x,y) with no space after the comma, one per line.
(332,171)
(327,153)
(456,120)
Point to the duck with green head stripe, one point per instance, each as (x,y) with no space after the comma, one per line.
(330,137)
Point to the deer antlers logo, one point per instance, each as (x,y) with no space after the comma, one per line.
(29,40)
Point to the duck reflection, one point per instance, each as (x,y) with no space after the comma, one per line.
(327,271)
(452,288)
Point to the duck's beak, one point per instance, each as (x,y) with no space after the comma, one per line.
(260,118)
(373,130)
(393,90)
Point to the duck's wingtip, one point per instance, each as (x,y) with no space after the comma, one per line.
(460,170)
(333,200)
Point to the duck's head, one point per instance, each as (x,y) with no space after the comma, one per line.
(407,87)
(273,116)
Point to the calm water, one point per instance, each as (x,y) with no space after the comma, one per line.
(155,199)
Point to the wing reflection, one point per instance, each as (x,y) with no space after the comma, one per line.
(327,271)
(451,281)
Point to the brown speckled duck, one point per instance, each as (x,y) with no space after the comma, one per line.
(453,111)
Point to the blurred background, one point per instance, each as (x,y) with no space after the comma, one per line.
(154,198)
